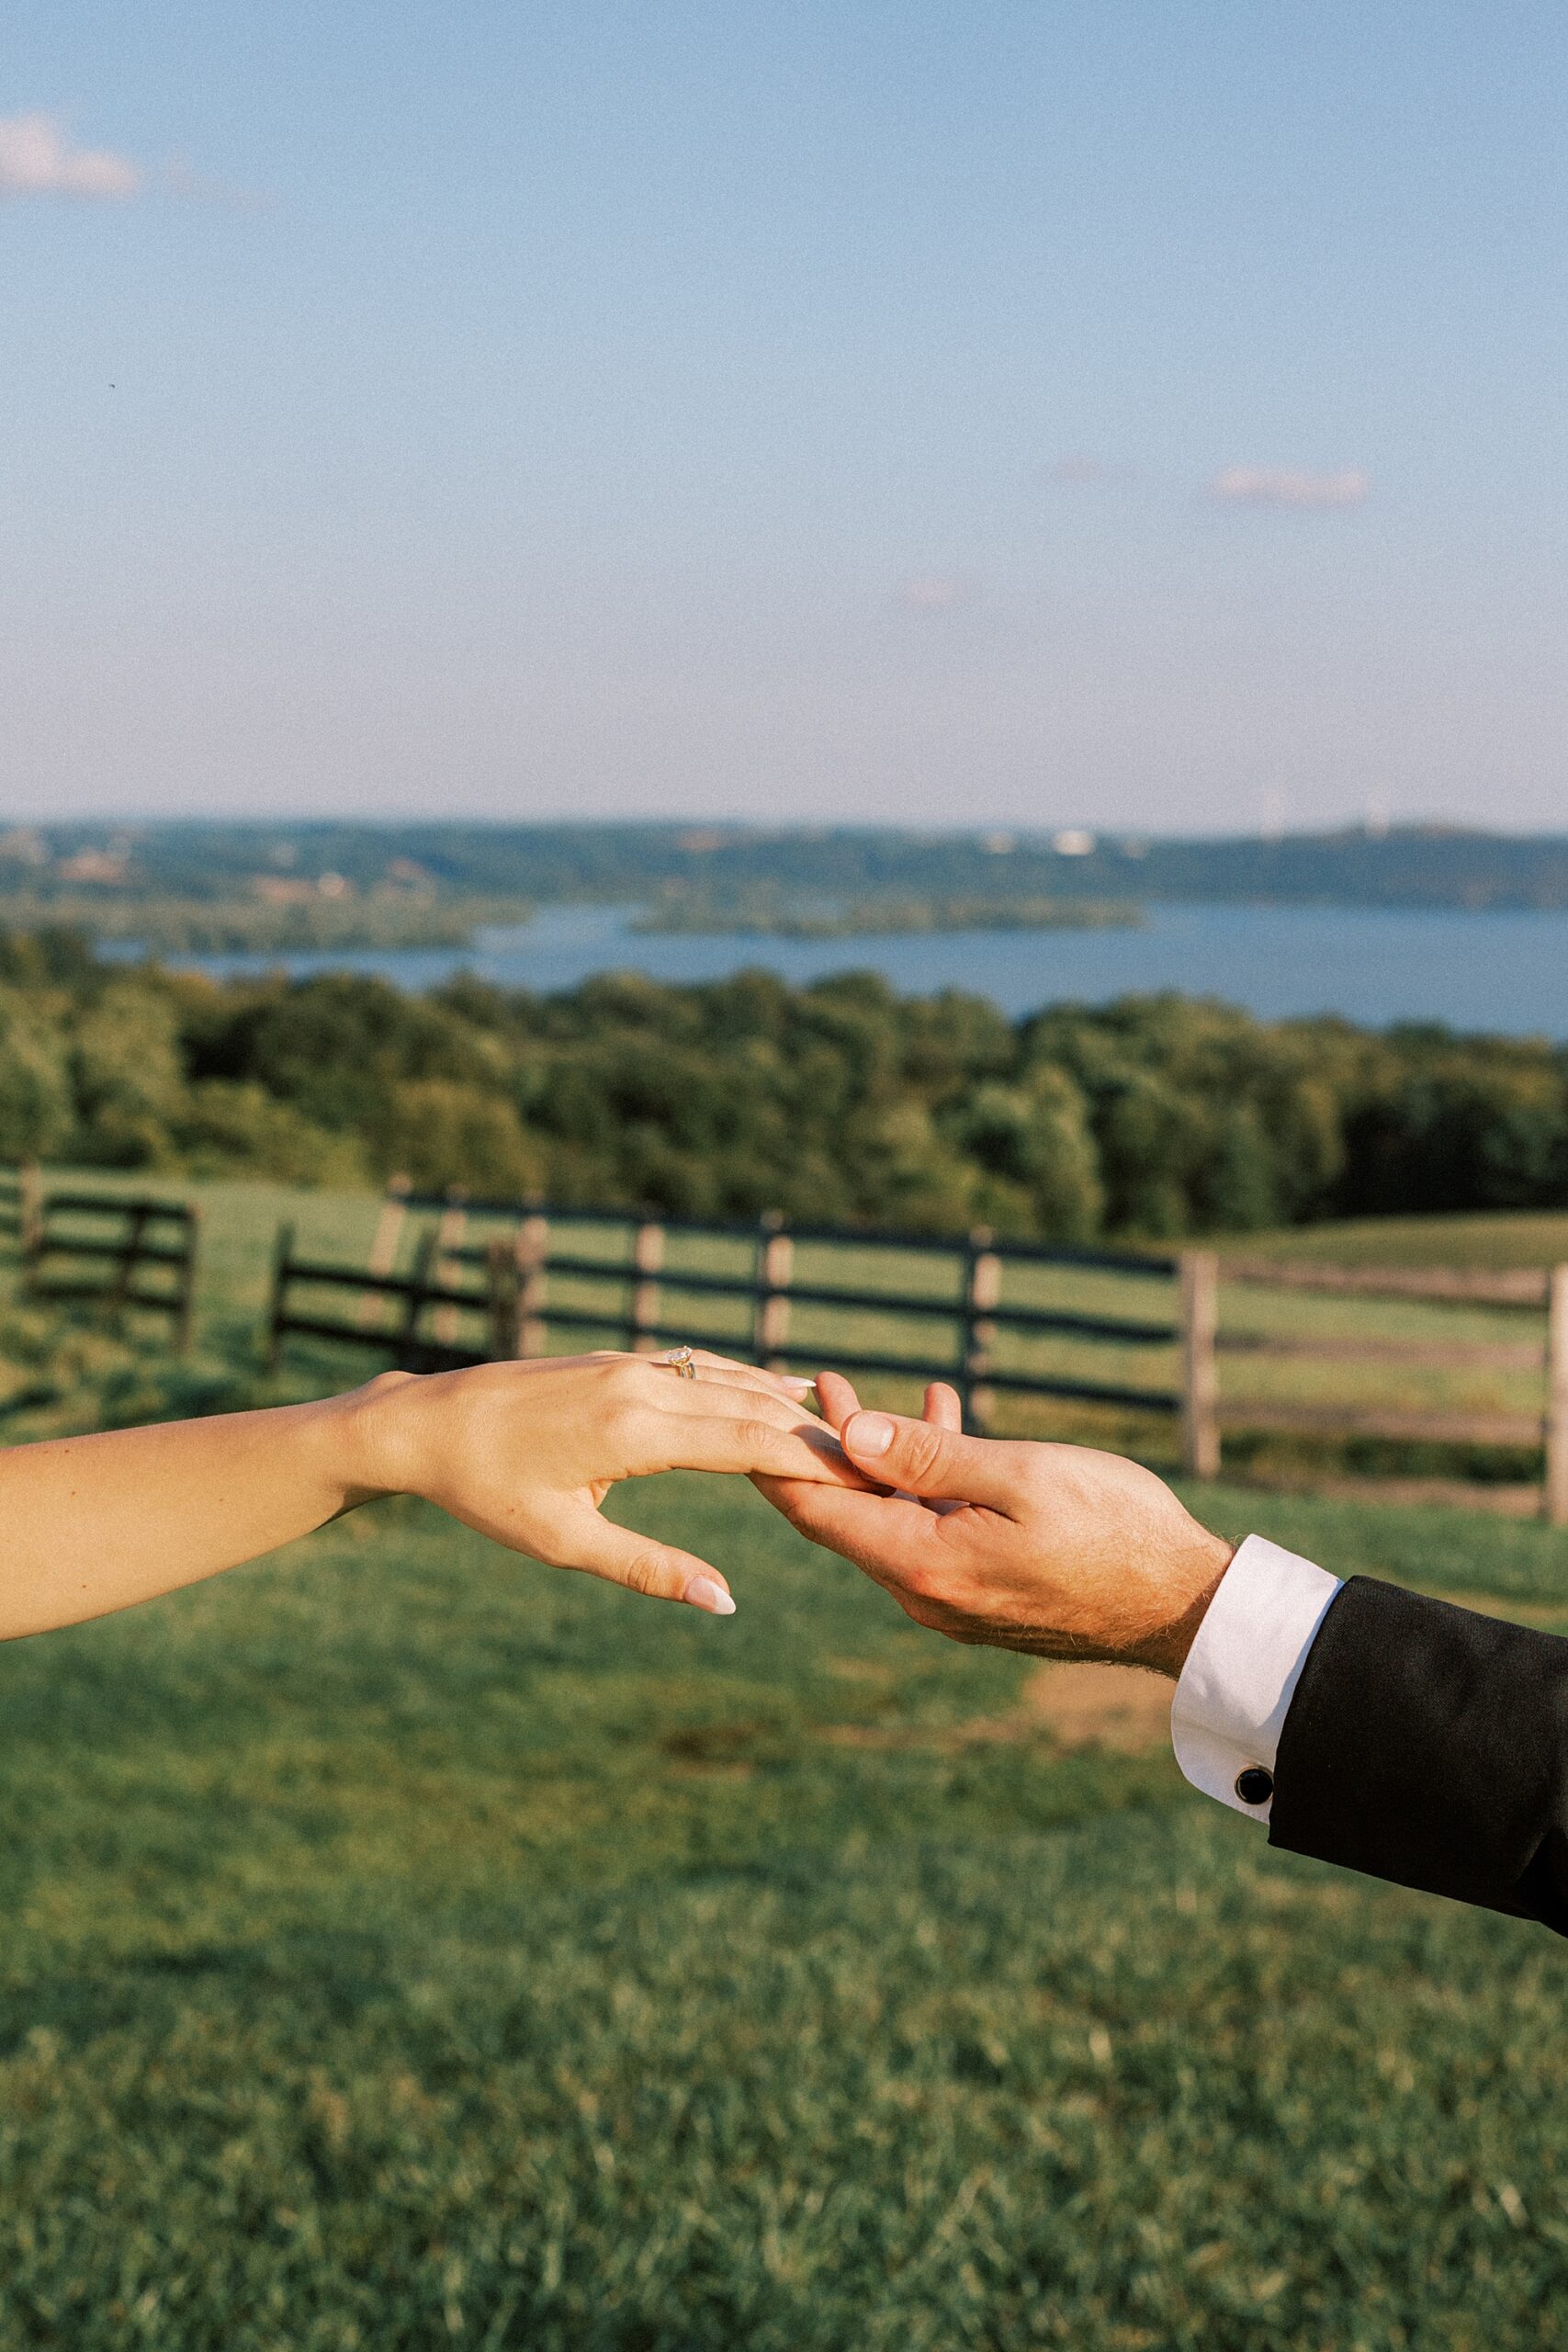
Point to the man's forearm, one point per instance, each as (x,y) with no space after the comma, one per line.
(1382,1730)
(1429,1745)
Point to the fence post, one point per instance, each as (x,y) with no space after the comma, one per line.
(1199,1281)
(282,1252)
(448,1236)
(29,1212)
(1556,1497)
(125,1272)
(981,1291)
(504,1290)
(770,1306)
(184,1312)
(383,1257)
(415,1297)
(647,1257)
(531,1253)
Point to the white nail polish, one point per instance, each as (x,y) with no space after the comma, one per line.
(704,1593)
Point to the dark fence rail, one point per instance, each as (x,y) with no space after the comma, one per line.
(486,1276)
(116,1241)
(416,1317)
(484,1281)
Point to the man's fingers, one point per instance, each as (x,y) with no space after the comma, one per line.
(944,1411)
(603,1549)
(837,1397)
(891,1539)
(944,1408)
(919,1458)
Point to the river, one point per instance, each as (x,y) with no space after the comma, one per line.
(1489,971)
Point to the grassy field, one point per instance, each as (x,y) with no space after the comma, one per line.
(407,1947)
(1523,1237)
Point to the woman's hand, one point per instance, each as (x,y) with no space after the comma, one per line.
(524,1452)
(527,1452)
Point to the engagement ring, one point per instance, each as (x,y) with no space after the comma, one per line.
(680,1361)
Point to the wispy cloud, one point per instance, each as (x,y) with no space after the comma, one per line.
(1287,486)
(935,592)
(37,158)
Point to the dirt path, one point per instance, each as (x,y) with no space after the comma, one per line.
(1073,1706)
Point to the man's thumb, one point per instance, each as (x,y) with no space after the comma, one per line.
(923,1460)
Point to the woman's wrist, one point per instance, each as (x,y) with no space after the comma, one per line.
(373,1438)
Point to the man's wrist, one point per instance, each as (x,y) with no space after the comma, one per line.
(1196,1577)
(1241,1673)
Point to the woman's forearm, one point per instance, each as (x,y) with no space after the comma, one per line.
(90,1524)
(523,1451)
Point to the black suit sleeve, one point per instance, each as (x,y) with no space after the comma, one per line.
(1429,1745)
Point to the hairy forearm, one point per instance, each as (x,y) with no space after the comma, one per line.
(91,1524)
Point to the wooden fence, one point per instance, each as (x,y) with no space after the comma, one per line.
(118,1241)
(483,1281)
(474,1292)
(505,1280)
(21,1194)
(1540,1291)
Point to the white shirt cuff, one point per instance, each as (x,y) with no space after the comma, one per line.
(1242,1671)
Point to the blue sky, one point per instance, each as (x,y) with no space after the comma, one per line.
(1084,413)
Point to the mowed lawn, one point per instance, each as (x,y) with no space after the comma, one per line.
(409,1947)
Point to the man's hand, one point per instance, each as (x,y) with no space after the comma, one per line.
(1057,1549)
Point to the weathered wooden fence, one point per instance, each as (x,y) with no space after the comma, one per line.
(486,1277)
(505,1281)
(486,1280)
(131,1253)
(1541,1292)
(21,1193)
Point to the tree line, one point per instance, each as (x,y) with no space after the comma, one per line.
(741,867)
(839,1102)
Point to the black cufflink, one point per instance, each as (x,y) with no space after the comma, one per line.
(1255,1786)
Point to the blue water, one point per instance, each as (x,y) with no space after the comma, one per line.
(1503,972)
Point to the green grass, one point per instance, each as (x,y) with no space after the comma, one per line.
(1500,1238)
(407,1947)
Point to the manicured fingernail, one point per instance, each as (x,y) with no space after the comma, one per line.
(800,1387)
(869,1433)
(704,1593)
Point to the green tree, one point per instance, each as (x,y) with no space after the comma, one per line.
(35,1083)
(442,1133)
(1035,1137)
(127,1076)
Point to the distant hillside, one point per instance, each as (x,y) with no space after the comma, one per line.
(708,870)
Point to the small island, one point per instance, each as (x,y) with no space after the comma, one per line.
(880,918)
